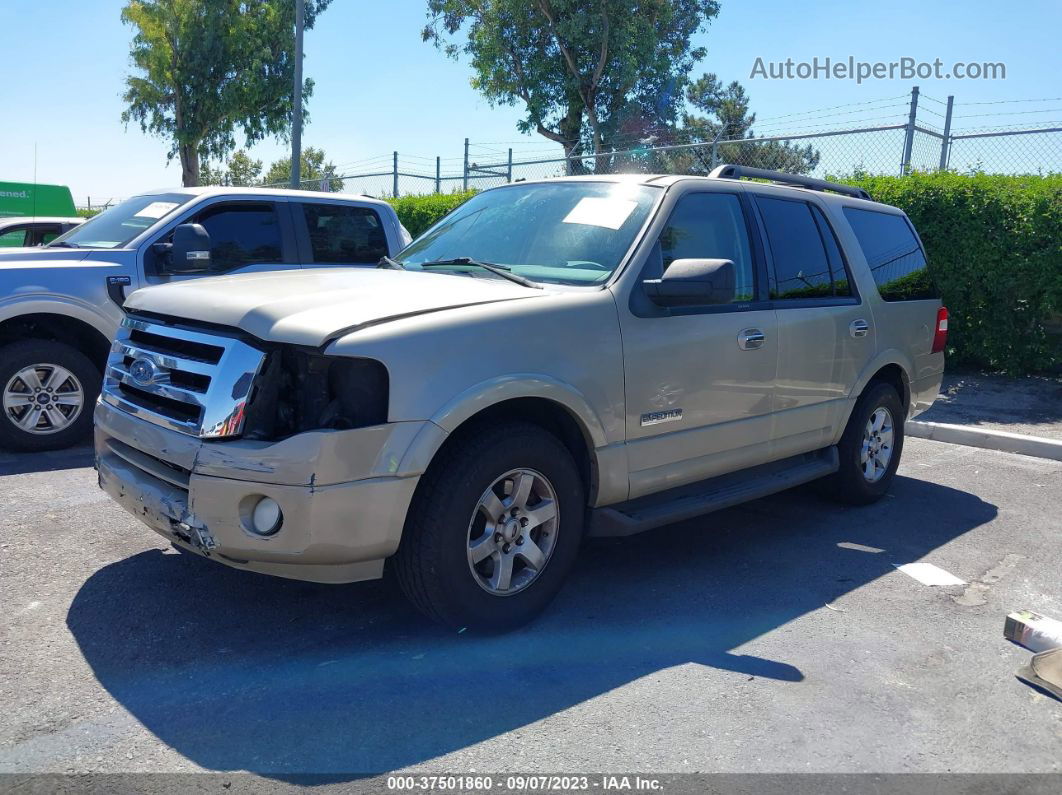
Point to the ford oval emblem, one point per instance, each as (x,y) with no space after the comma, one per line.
(143,371)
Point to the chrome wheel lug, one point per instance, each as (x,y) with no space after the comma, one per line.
(506,548)
(524,522)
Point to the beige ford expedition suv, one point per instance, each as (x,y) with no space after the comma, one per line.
(552,360)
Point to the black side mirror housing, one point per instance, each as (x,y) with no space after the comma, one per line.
(693,282)
(188,253)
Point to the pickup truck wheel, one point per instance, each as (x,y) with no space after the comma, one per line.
(493,530)
(870,447)
(49,390)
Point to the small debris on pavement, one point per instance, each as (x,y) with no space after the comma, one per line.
(1032,630)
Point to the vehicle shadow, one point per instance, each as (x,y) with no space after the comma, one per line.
(12,463)
(239,671)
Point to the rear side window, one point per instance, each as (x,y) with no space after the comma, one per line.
(345,234)
(13,237)
(242,234)
(892,251)
(803,266)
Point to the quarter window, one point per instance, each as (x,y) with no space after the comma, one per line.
(802,266)
(13,237)
(893,253)
(345,234)
(711,226)
(242,234)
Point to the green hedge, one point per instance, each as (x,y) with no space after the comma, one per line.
(995,250)
(417,213)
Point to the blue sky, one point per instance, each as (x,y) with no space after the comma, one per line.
(379,88)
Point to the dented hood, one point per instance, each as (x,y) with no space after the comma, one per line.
(310,307)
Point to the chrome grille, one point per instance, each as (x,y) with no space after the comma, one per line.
(190,381)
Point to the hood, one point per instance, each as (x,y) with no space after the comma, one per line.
(310,307)
(40,257)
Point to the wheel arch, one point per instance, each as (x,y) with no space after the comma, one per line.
(890,367)
(556,407)
(55,327)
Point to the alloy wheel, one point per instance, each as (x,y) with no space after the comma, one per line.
(43,398)
(513,532)
(876,453)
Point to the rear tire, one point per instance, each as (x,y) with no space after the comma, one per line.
(493,529)
(49,391)
(870,448)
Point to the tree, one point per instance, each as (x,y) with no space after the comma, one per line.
(312,167)
(207,68)
(727,119)
(241,171)
(583,69)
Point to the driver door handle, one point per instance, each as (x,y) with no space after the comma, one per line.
(751,339)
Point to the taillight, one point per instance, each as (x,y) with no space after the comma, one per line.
(940,336)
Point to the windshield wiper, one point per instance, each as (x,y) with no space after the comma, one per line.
(501,270)
(62,244)
(390,264)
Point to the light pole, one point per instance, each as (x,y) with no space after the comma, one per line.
(296,121)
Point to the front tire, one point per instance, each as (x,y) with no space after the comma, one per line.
(48,393)
(870,447)
(493,529)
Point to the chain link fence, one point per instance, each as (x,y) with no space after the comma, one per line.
(890,135)
(916,134)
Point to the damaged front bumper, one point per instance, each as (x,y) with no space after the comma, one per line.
(344,494)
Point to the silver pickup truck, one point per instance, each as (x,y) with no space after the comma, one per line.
(61,305)
(595,355)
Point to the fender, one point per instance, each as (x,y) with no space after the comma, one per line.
(611,476)
(521,385)
(881,359)
(104,321)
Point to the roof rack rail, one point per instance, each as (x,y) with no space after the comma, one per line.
(730,171)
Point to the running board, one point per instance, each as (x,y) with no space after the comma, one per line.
(724,491)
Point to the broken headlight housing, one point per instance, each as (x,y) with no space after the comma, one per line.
(299,389)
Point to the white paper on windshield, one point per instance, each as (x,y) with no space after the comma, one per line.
(609,213)
(156,210)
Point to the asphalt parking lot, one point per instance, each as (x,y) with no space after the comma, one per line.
(775,637)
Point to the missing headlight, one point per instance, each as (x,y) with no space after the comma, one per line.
(300,390)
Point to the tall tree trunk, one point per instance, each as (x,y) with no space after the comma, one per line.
(571,128)
(189,164)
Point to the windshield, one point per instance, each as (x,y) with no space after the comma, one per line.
(115,227)
(560,232)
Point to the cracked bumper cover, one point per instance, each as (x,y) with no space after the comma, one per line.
(344,494)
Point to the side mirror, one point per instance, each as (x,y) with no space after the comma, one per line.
(693,282)
(188,253)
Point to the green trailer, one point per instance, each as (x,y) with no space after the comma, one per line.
(24,198)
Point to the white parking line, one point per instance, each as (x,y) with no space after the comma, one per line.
(928,574)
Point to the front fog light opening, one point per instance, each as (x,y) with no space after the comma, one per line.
(266,517)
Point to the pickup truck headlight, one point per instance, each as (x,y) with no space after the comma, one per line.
(301,390)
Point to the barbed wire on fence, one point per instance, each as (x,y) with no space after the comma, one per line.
(886,135)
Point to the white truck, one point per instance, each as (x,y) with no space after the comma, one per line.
(61,304)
